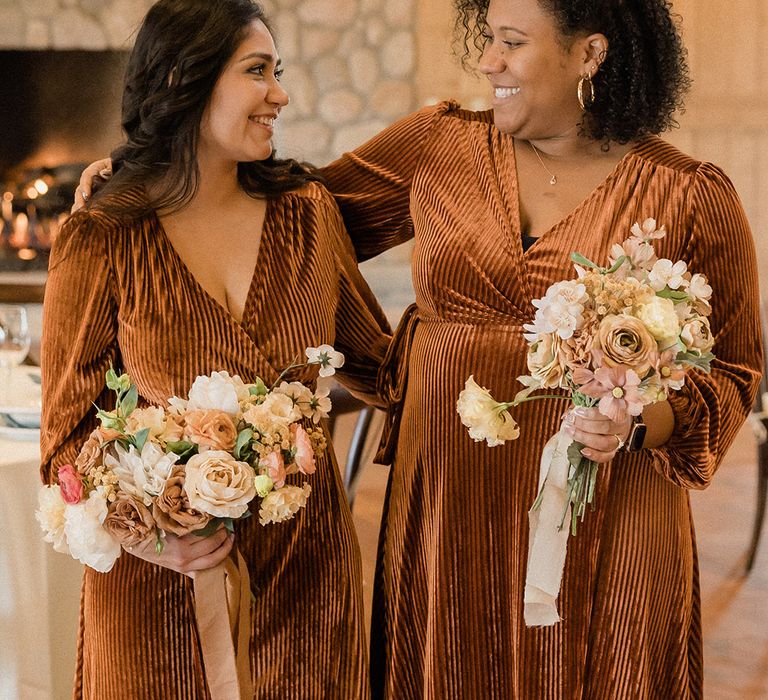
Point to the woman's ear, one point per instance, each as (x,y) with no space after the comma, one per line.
(594,49)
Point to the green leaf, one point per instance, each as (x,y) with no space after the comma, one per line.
(140,439)
(259,388)
(184,449)
(617,265)
(701,361)
(244,438)
(210,528)
(579,259)
(672,294)
(129,402)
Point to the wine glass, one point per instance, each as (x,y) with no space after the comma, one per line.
(14,342)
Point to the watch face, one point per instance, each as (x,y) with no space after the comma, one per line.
(637,437)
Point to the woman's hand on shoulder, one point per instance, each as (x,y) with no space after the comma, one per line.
(89,181)
(189,553)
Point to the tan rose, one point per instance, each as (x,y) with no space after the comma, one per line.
(624,340)
(217,484)
(128,520)
(544,360)
(214,430)
(161,425)
(697,335)
(577,350)
(171,509)
(91,455)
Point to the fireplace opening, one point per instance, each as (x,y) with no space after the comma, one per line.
(59,110)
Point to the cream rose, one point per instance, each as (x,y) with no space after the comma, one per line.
(217,484)
(544,360)
(660,318)
(282,504)
(217,392)
(697,335)
(277,409)
(625,340)
(484,416)
(162,426)
(213,430)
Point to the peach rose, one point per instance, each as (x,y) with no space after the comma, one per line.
(544,361)
(305,455)
(275,466)
(128,520)
(171,509)
(217,484)
(697,335)
(577,350)
(624,340)
(212,430)
(91,454)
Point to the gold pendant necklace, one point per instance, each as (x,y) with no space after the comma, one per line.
(552,176)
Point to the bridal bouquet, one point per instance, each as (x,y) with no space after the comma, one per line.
(187,466)
(619,338)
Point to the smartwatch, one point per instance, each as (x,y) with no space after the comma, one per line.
(636,439)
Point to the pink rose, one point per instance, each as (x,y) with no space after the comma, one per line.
(275,467)
(211,429)
(71,485)
(305,456)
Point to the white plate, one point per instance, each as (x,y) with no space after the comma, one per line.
(8,432)
(21,398)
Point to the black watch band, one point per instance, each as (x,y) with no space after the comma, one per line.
(636,439)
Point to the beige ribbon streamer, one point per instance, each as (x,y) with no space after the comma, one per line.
(547,543)
(223,612)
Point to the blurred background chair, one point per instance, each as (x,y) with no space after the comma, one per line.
(760,421)
(343,404)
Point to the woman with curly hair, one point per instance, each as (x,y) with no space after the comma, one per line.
(568,159)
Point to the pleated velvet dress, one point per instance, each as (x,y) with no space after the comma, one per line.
(448,601)
(118,293)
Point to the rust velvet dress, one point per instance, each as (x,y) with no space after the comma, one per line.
(119,293)
(448,607)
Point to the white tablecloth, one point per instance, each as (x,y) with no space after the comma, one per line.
(39,589)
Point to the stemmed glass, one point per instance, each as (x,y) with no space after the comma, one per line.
(14,342)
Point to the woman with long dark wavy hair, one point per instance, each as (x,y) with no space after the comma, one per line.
(206,253)
(568,159)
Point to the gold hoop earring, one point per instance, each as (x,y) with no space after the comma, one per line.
(586,92)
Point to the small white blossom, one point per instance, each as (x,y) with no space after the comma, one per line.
(665,273)
(325,356)
(647,231)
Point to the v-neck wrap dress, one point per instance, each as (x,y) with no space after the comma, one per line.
(118,293)
(448,601)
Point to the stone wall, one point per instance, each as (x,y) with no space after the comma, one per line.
(349,63)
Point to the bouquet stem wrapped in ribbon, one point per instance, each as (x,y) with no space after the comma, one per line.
(190,467)
(617,338)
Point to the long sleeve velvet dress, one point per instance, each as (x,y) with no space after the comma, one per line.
(448,607)
(118,293)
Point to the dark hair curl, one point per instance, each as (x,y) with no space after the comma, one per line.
(180,52)
(641,82)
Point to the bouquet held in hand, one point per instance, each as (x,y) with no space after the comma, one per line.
(617,338)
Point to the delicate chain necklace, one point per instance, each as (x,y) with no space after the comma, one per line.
(553,177)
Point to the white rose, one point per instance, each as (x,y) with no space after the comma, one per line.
(50,515)
(660,318)
(484,416)
(282,504)
(218,391)
(88,541)
(217,484)
(144,474)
